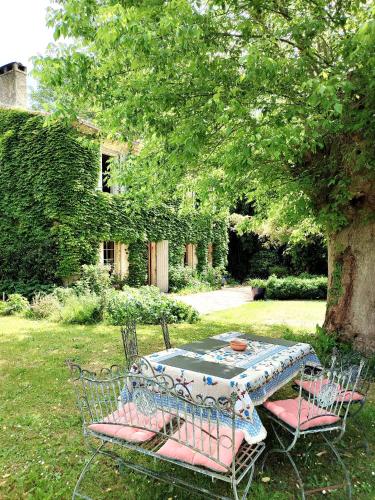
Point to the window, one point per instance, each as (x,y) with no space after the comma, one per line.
(106,188)
(109,253)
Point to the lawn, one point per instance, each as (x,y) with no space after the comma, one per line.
(42,449)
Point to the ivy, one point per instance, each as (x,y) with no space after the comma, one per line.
(53,218)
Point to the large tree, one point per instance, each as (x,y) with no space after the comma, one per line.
(271,99)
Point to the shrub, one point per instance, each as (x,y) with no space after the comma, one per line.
(94,279)
(213,276)
(180,277)
(146,305)
(256,283)
(62,294)
(296,288)
(82,309)
(187,279)
(16,303)
(44,306)
(27,289)
(261,262)
(279,271)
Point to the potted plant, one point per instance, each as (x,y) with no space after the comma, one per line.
(258,288)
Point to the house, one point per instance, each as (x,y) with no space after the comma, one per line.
(59,209)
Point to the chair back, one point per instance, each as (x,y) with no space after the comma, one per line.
(130,342)
(329,395)
(351,362)
(165,330)
(156,404)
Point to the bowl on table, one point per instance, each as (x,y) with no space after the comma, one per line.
(238,345)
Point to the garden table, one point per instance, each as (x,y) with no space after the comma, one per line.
(210,368)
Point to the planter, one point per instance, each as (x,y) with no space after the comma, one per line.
(258,292)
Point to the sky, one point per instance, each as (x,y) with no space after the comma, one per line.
(23,31)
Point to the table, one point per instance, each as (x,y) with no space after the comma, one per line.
(211,368)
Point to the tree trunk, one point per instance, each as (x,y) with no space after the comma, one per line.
(351,285)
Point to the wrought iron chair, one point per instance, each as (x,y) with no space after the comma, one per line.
(161,420)
(347,363)
(165,330)
(130,342)
(323,411)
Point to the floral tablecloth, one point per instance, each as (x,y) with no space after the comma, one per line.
(266,368)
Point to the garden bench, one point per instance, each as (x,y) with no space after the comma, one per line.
(150,416)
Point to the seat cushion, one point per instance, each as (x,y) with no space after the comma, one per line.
(314,386)
(117,424)
(205,442)
(287,411)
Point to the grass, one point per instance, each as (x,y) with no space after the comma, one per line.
(41,445)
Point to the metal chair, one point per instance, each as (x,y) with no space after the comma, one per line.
(323,411)
(130,342)
(156,418)
(348,362)
(165,330)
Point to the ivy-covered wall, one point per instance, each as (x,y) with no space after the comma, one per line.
(52,218)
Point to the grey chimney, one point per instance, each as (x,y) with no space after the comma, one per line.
(13,85)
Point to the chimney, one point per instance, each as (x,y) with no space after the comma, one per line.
(13,85)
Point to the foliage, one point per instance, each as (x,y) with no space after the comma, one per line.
(294,287)
(27,288)
(188,279)
(261,263)
(256,283)
(44,306)
(278,271)
(146,305)
(16,303)
(82,309)
(236,98)
(93,279)
(213,276)
(63,293)
(52,218)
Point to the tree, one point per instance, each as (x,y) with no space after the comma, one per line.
(271,99)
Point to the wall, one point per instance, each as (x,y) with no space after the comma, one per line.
(52,217)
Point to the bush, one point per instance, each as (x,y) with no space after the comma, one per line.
(180,277)
(146,305)
(213,276)
(16,303)
(188,279)
(261,263)
(27,289)
(82,309)
(44,306)
(94,279)
(62,294)
(296,288)
(256,283)
(279,271)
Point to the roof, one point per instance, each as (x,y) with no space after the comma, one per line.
(12,65)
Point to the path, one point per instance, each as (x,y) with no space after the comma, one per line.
(218,300)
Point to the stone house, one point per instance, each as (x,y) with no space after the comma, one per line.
(59,209)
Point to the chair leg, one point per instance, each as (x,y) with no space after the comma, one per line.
(342,463)
(286,451)
(83,473)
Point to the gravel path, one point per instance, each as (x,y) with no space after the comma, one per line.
(218,300)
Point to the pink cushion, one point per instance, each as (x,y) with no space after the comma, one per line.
(287,410)
(314,386)
(117,424)
(204,442)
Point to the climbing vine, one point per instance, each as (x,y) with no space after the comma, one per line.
(53,218)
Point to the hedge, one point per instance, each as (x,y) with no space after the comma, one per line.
(293,287)
(296,288)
